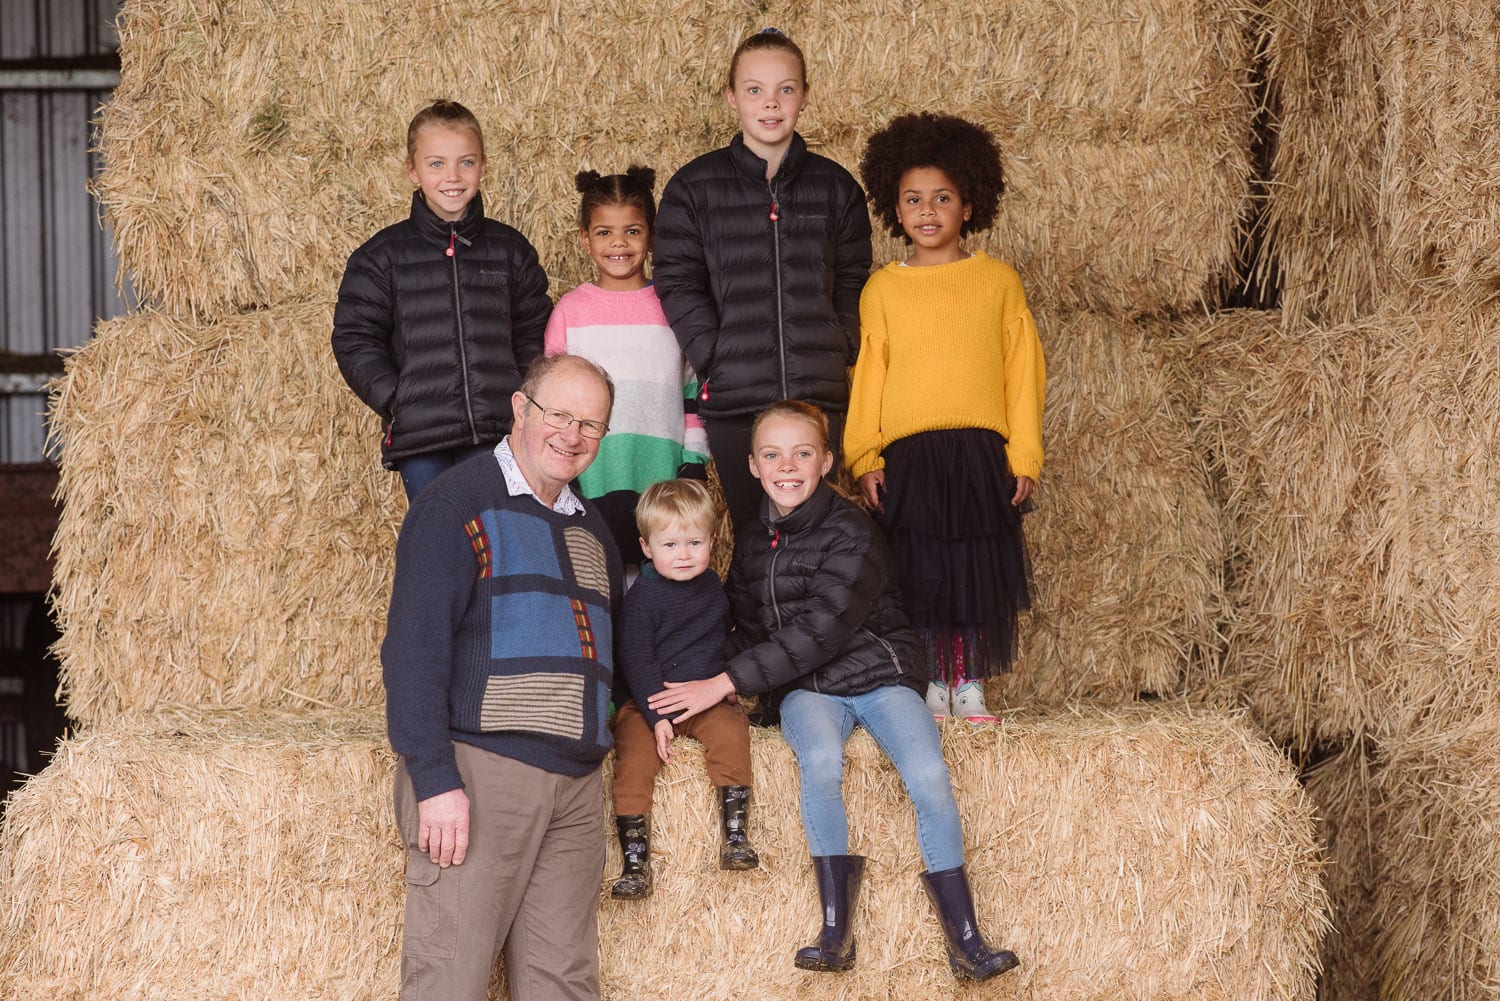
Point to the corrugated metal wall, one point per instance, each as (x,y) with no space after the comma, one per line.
(57,270)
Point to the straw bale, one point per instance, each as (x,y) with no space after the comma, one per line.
(1385,177)
(1342,790)
(1322,207)
(1358,474)
(1437,905)
(192,854)
(227,532)
(250,148)
(1126,543)
(1440,177)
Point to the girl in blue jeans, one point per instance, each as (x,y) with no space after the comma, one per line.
(819,625)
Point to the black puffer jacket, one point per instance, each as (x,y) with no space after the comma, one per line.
(816,605)
(436,344)
(765,308)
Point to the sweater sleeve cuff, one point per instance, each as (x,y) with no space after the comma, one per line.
(651,716)
(434,775)
(1022,466)
(867,463)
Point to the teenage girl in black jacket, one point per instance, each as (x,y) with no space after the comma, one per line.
(762,248)
(818,616)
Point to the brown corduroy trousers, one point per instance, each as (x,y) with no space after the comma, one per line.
(723,731)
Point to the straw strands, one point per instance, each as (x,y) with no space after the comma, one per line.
(1412,835)
(1344,796)
(227,535)
(1125,541)
(250,148)
(1438,901)
(1362,497)
(1123,855)
(1322,210)
(1386,164)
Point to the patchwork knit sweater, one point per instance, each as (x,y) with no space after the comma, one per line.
(500,631)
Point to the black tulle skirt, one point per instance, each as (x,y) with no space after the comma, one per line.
(959,548)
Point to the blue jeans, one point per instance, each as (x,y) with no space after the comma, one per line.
(419,470)
(817,726)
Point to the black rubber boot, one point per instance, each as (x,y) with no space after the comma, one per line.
(968,954)
(838,891)
(635,844)
(735,850)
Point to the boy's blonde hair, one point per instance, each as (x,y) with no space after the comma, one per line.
(684,501)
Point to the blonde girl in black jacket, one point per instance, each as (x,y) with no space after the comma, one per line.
(440,315)
(818,619)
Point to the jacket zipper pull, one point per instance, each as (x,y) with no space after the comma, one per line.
(390,429)
(775,537)
(703,391)
(452,235)
(775,213)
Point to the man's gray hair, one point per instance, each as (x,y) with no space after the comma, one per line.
(543,367)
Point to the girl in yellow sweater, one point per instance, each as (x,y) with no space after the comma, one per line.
(944,431)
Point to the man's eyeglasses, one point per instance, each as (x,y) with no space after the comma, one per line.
(562,420)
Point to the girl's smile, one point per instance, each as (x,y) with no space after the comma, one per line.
(789,461)
(447,164)
(618,241)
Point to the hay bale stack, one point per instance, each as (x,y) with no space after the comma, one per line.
(1125,541)
(1357,465)
(1186,837)
(250,148)
(1385,173)
(227,532)
(1125,128)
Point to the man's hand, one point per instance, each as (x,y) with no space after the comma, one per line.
(664,735)
(443,827)
(684,699)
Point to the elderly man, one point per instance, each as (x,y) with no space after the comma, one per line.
(497,664)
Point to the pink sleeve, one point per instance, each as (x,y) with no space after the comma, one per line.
(555,340)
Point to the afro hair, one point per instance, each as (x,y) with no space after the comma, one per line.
(966,152)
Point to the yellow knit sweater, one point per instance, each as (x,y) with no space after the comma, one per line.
(946,346)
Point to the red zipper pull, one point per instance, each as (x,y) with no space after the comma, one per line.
(775,537)
(703,392)
(775,215)
(451,234)
(390,429)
